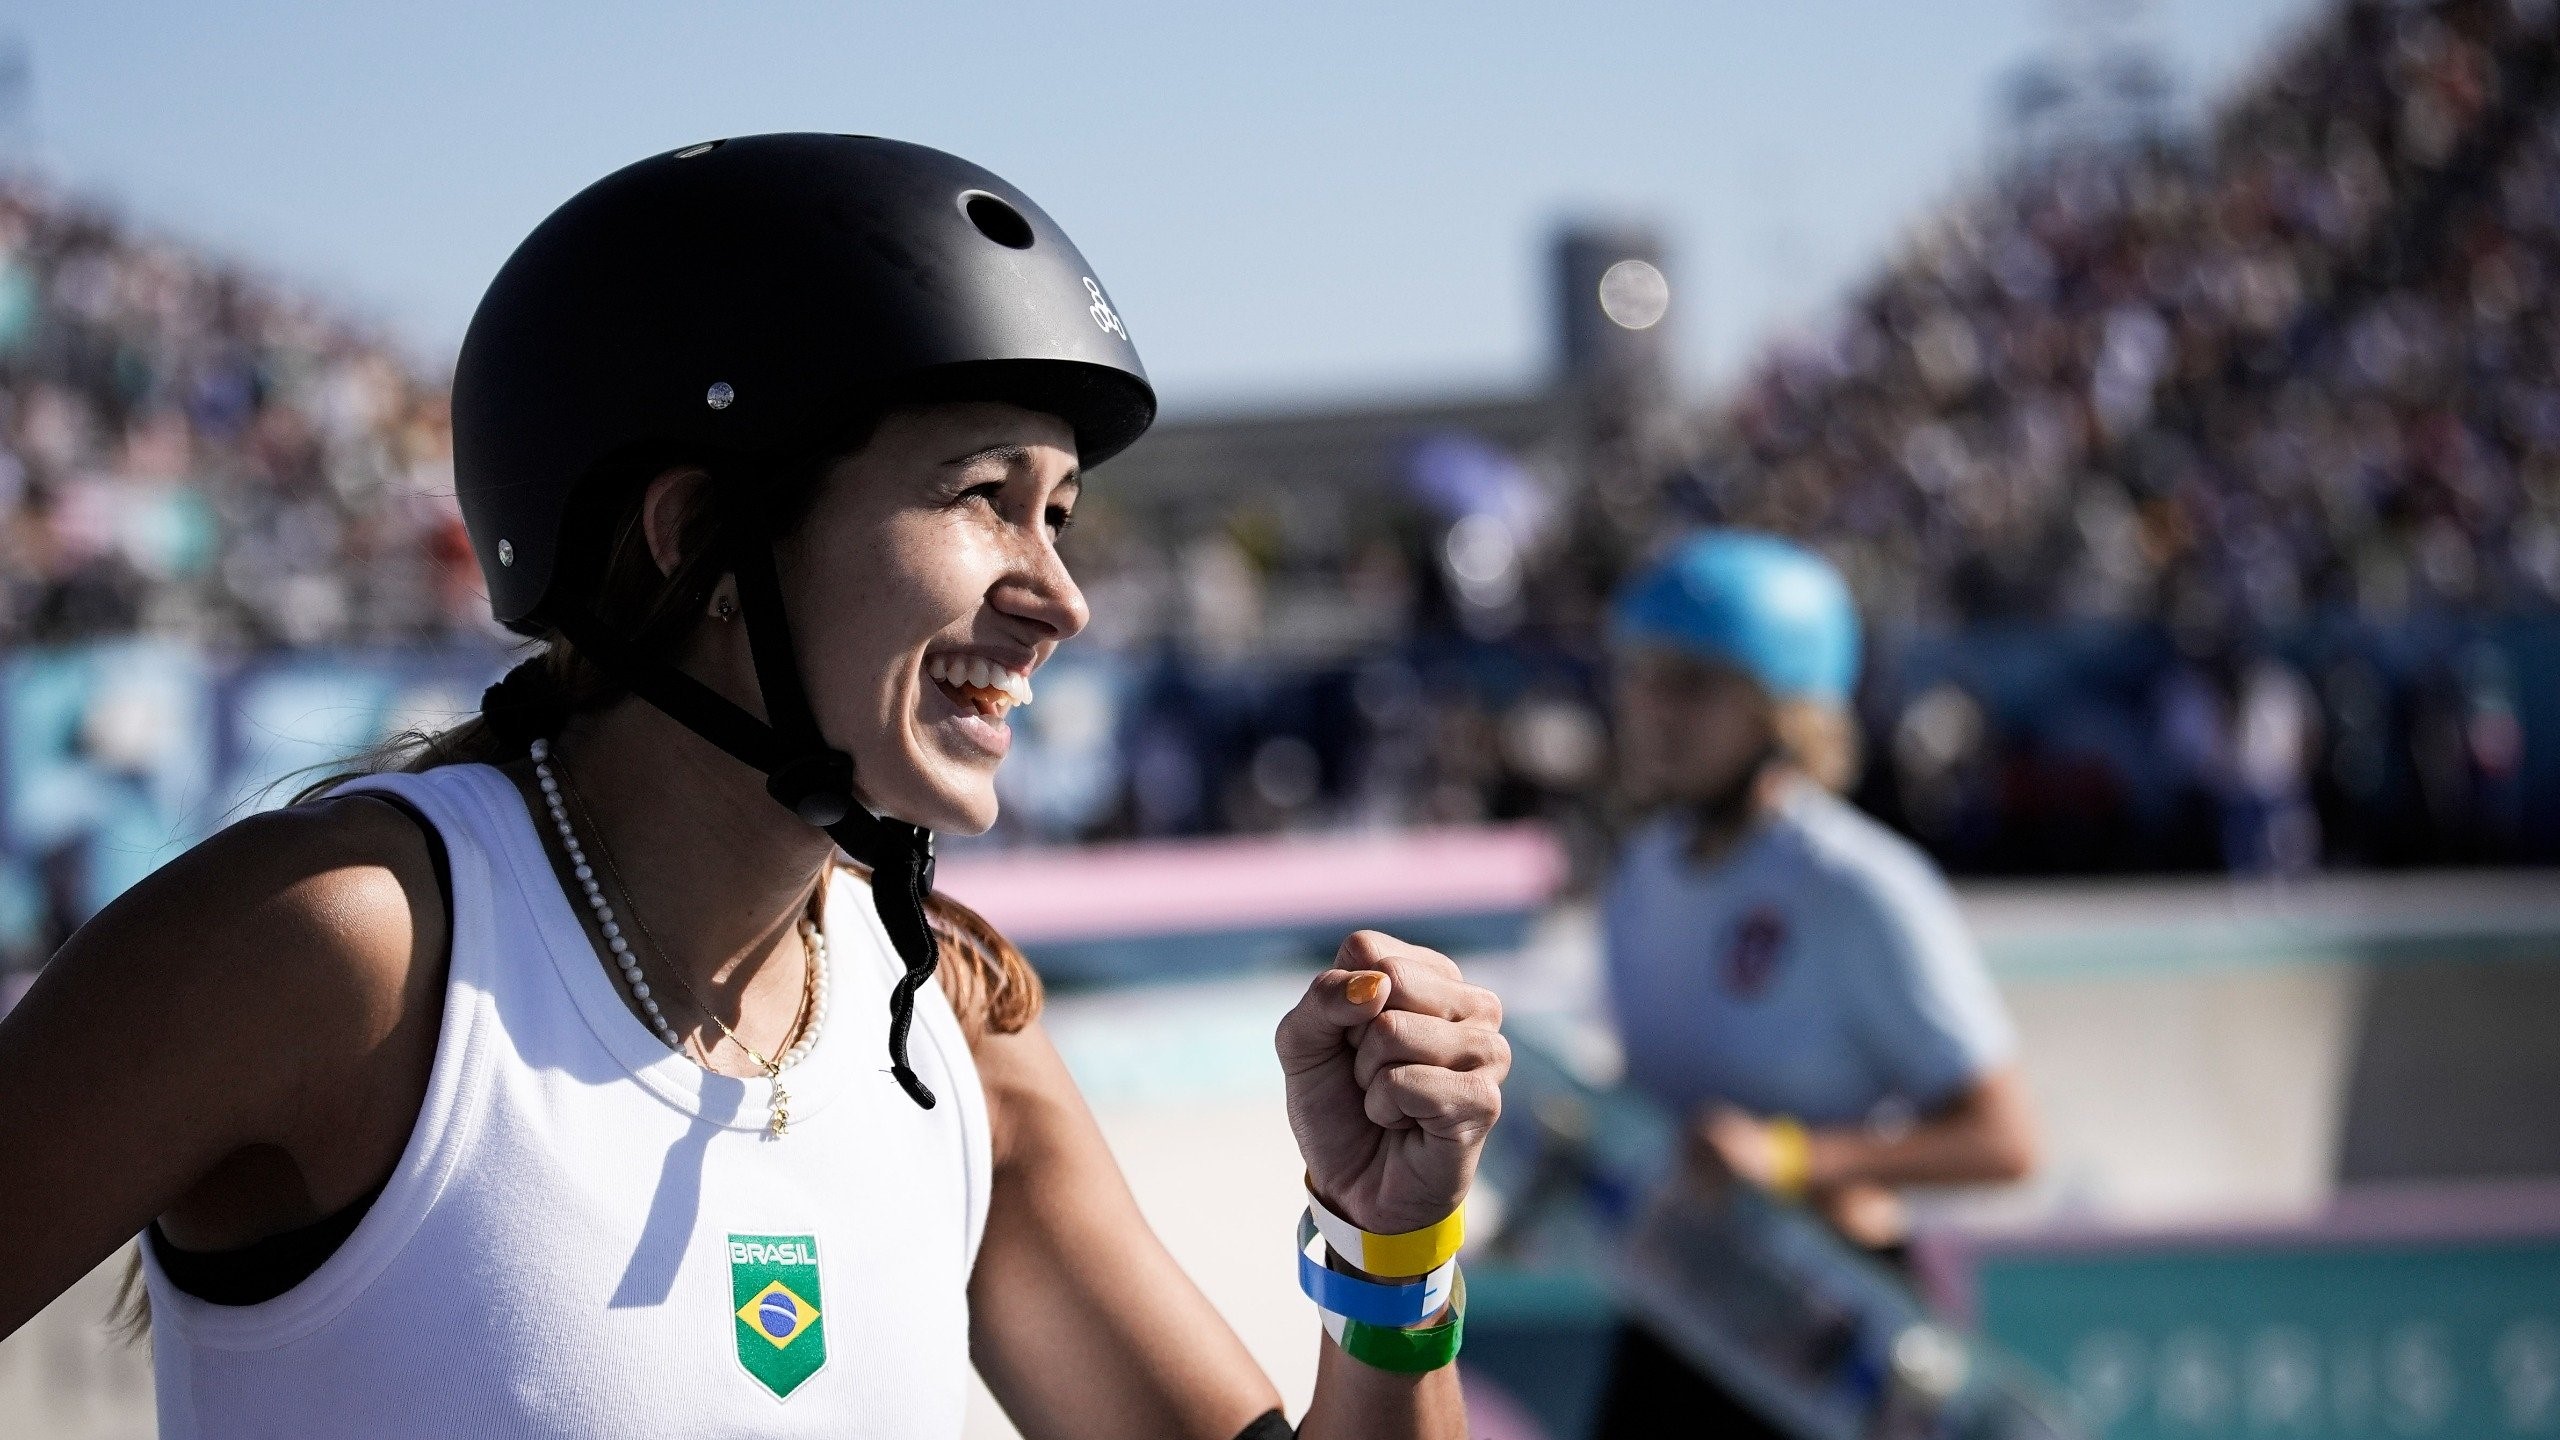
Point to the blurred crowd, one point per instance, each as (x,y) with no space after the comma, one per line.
(2305,363)
(189,452)
(2277,402)
(2202,490)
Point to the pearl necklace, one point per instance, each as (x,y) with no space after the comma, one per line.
(813,942)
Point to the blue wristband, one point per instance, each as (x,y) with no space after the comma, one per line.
(1410,1303)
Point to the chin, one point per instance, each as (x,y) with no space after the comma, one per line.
(968,819)
(946,794)
(944,809)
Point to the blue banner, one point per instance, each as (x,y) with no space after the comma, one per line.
(115,757)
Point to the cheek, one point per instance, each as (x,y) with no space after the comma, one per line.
(1659,723)
(1739,722)
(891,597)
(1679,737)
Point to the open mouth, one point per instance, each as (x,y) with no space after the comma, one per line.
(978,685)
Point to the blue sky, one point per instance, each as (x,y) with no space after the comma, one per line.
(1313,199)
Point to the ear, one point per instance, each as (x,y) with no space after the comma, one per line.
(669,503)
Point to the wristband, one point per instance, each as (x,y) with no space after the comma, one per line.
(1790,1157)
(1349,1296)
(1415,1252)
(1403,1352)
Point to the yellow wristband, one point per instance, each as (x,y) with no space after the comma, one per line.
(1390,1257)
(1790,1157)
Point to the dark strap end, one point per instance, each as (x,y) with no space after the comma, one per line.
(914,1085)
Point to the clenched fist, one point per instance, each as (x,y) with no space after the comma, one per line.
(1395,1067)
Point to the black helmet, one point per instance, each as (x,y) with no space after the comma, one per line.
(736,304)
(743,298)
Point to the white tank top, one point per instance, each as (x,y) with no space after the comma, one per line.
(588,1235)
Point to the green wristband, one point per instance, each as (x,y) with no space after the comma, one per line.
(1403,1352)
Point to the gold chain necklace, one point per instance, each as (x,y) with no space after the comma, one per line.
(813,945)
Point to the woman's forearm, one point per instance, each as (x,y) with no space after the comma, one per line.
(1356,1402)
(1984,1137)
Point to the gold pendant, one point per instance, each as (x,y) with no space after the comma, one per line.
(780,1119)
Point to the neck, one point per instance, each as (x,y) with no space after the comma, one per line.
(718,872)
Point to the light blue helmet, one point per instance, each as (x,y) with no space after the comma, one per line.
(1773,610)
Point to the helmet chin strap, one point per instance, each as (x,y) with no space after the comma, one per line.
(811,778)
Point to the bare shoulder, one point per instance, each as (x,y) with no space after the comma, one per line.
(274,991)
(259,986)
(311,914)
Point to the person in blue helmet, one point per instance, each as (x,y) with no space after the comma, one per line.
(1785,972)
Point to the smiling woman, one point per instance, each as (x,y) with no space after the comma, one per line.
(767,445)
(934,549)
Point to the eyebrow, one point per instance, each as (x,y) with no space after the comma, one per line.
(1009,454)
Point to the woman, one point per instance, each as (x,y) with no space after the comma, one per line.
(1784,971)
(533,1091)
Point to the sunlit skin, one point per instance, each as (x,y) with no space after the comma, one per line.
(1691,731)
(274,993)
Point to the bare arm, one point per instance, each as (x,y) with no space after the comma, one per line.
(228,1045)
(1081,1322)
(1985,1135)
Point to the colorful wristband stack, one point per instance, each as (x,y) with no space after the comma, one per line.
(1380,1323)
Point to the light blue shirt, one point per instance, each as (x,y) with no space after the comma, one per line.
(1819,970)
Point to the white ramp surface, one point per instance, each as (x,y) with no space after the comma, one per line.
(66,1376)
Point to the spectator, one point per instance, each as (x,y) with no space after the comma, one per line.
(186,452)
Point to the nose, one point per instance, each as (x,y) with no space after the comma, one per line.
(1039,589)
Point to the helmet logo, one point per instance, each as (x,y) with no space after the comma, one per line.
(506,552)
(1101,311)
(720,395)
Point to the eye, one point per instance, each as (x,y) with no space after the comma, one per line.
(1061,520)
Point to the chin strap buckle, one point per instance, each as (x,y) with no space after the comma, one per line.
(817,787)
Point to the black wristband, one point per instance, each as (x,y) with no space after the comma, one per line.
(1271,1426)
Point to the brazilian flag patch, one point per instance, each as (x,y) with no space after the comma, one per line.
(781,1332)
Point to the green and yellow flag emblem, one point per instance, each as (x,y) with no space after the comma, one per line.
(781,1332)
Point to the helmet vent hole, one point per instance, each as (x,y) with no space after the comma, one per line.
(996,220)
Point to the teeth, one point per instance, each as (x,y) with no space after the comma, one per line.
(978,673)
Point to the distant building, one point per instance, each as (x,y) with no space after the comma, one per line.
(1612,302)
